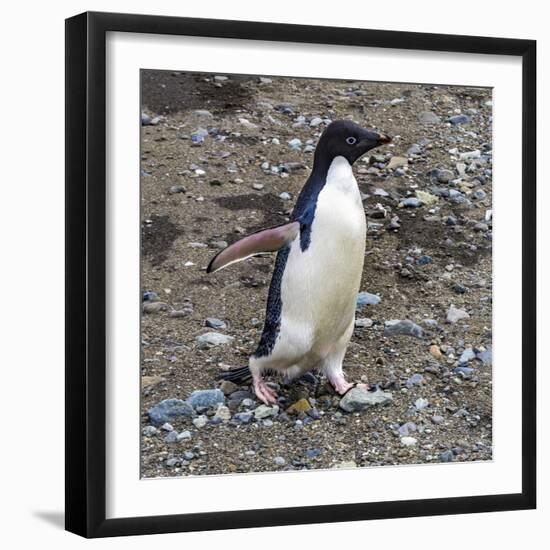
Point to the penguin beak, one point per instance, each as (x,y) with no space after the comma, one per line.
(370,140)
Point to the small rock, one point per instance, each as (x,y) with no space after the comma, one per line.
(467,355)
(406,428)
(367,299)
(228,387)
(167,427)
(437,419)
(302,405)
(346,464)
(486,357)
(154,307)
(210,339)
(313,453)
(284,196)
(314,122)
(264,411)
(360,398)
(212,322)
(184,435)
(415,380)
(435,351)
(410,202)
(295,144)
(427,117)
(177,189)
(169,409)
(454,315)
(414,149)
(148,431)
(446,456)
(363,322)
(172,437)
(149,381)
(205,398)
(397,162)
(408,441)
(421,403)
(243,417)
(279,461)
(223,414)
(458,119)
(201,421)
(397,327)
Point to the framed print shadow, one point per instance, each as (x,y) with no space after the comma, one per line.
(300,274)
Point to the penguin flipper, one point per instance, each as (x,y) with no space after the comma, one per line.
(266,240)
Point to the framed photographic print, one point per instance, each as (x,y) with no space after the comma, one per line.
(300,274)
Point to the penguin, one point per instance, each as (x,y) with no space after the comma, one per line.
(310,312)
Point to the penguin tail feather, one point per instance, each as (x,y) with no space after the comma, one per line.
(239,375)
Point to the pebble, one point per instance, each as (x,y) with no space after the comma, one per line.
(409,441)
(414,149)
(363,322)
(150,296)
(313,453)
(486,357)
(458,119)
(295,144)
(148,431)
(406,428)
(279,461)
(421,403)
(172,437)
(367,299)
(446,456)
(167,427)
(284,196)
(410,202)
(212,322)
(415,380)
(169,409)
(201,421)
(435,351)
(177,189)
(360,398)
(466,356)
(302,405)
(210,339)
(428,117)
(247,402)
(243,417)
(397,327)
(154,307)
(397,162)
(205,398)
(427,198)
(228,387)
(470,155)
(223,414)
(314,122)
(454,315)
(265,411)
(184,435)
(437,419)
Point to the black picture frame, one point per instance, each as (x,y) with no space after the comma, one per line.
(86,274)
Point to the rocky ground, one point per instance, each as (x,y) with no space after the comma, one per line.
(223,156)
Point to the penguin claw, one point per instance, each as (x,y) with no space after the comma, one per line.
(264,393)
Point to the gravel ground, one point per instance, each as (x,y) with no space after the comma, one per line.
(217,164)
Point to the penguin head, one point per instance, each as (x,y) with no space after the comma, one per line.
(346,139)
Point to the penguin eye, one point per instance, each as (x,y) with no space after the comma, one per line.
(351,140)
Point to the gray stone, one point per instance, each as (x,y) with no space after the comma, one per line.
(446,456)
(411,202)
(172,437)
(414,149)
(427,117)
(205,398)
(421,403)
(363,322)
(169,409)
(212,322)
(486,357)
(184,435)
(243,417)
(397,327)
(437,419)
(415,380)
(458,119)
(409,441)
(265,411)
(201,421)
(210,339)
(367,299)
(279,461)
(284,196)
(314,122)
(223,414)
(406,428)
(454,315)
(148,431)
(360,398)
(467,355)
